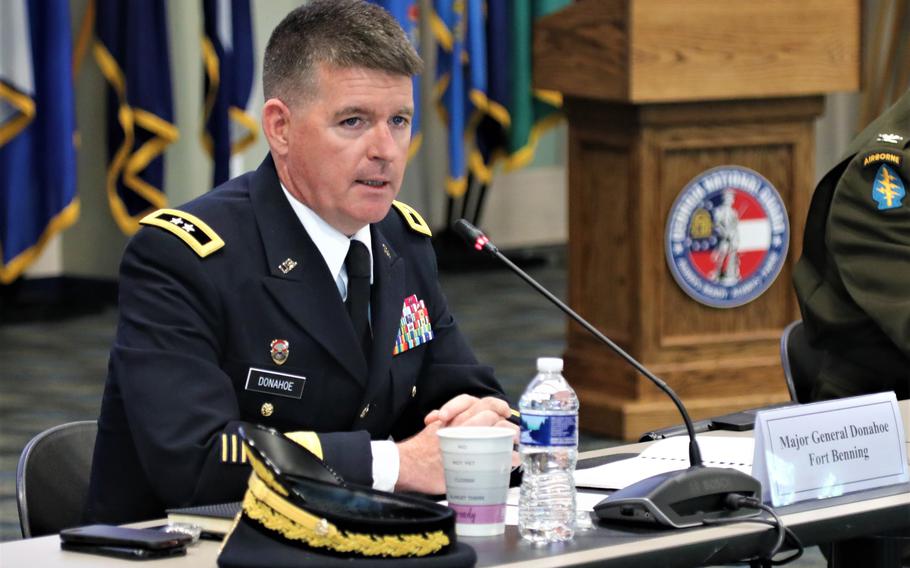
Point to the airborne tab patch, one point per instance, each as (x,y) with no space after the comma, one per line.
(413,218)
(887,189)
(188,228)
(879,157)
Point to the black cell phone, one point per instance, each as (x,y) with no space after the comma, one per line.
(124,537)
(131,553)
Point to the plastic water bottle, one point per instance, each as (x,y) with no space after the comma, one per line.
(549,448)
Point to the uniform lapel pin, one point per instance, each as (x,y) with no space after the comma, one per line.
(287,266)
(280,349)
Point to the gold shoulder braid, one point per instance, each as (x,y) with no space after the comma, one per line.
(188,228)
(413,218)
(312,506)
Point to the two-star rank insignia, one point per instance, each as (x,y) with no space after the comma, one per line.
(188,228)
(888,189)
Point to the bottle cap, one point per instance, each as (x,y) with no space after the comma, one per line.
(549,364)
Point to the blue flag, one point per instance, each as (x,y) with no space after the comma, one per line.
(407,12)
(517,113)
(37,124)
(227,51)
(132,52)
(461,80)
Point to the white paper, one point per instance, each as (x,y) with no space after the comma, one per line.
(669,454)
(825,449)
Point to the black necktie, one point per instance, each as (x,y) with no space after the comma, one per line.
(357,263)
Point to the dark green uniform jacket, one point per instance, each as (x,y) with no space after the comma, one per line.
(853,280)
(194,351)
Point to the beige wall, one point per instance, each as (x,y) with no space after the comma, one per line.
(524,208)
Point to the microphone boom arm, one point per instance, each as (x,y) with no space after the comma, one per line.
(694,452)
(679,498)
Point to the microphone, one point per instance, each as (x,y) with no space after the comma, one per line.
(683,498)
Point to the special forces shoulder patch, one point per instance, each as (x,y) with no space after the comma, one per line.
(413,218)
(727,236)
(888,189)
(188,228)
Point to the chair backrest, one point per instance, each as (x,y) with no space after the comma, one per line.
(52,478)
(801,361)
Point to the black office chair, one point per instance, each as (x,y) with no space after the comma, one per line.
(801,361)
(52,478)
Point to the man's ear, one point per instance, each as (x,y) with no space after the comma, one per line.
(275,124)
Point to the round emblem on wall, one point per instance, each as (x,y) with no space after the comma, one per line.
(727,236)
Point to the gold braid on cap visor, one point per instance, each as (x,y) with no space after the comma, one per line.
(275,513)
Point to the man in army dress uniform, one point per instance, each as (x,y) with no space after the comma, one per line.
(853,280)
(232,308)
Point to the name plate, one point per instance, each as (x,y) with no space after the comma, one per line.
(825,449)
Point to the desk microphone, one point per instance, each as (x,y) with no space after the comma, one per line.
(683,498)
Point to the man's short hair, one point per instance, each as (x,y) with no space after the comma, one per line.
(342,33)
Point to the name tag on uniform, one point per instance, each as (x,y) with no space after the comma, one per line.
(270,382)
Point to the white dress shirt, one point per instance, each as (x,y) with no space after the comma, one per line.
(334,245)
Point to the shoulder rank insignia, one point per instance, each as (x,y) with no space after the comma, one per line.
(882,157)
(413,218)
(188,228)
(888,188)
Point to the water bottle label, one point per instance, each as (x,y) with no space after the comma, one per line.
(549,429)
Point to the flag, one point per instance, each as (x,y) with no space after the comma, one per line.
(532,110)
(407,12)
(227,52)
(517,113)
(37,125)
(461,80)
(132,52)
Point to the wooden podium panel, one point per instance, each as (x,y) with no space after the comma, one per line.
(627,165)
(691,50)
(656,93)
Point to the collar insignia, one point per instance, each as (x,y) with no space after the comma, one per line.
(287,266)
(889,138)
(385,249)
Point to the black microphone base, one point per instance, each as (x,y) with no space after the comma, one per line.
(681,499)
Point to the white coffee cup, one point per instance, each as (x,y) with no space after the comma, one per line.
(477,462)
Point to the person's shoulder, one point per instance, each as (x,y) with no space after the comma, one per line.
(191,230)
(204,225)
(405,222)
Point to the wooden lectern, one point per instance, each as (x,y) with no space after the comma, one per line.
(656,92)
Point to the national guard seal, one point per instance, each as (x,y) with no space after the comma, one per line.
(727,236)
